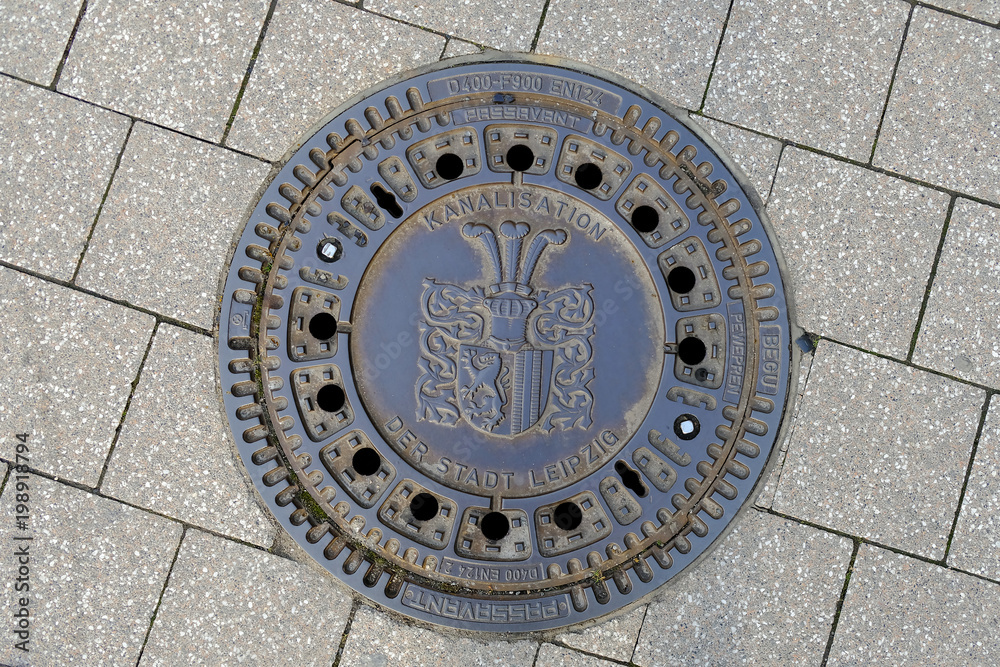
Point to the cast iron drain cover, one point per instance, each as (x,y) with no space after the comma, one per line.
(504,345)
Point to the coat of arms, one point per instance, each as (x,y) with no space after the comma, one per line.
(507,356)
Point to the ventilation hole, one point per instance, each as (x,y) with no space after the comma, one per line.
(631,479)
(681,280)
(568,516)
(645,219)
(520,158)
(449,166)
(424,507)
(686,427)
(331,398)
(322,326)
(588,176)
(495,526)
(387,201)
(330,250)
(691,351)
(366,461)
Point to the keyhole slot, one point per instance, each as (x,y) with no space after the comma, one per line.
(631,479)
(387,201)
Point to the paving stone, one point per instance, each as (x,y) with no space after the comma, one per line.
(813,72)
(316,56)
(457,47)
(666,45)
(859,247)
(958,335)
(173,454)
(976,545)
(97,568)
(880,450)
(176,64)
(765,596)
(58,155)
(756,155)
(901,611)
(378,640)
(72,359)
(33,37)
(614,638)
(508,25)
(166,228)
(987,10)
(943,120)
(551,655)
(227,603)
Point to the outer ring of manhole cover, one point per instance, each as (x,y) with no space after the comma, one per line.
(505,346)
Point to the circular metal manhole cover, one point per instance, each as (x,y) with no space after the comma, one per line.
(505,345)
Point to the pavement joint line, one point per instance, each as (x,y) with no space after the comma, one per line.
(444,48)
(892,82)
(856,163)
(69,45)
(930,279)
(777,166)
(715,60)
(910,364)
(968,474)
(538,35)
(250,66)
(128,404)
(6,476)
(635,646)
(139,119)
(951,12)
(181,522)
(840,602)
(159,601)
(356,604)
(575,649)
(104,199)
(160,318)
(538,649)
(862,540)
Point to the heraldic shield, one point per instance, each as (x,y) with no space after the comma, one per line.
(505,357)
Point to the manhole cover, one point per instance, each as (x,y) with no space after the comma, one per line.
(505,345)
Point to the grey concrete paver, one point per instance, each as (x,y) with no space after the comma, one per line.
(378,640)
(815,73)
(755,154)
(614,638)
(958,334)
(317,55)
(859,247)
(227,603)
(172,455)
(96,570)
(176,64)
(551,655)
(58,155)
(33,37)
(901,611)
(942,123)
(976,545)
(163,236)
(73,358)
(508,25)
(765,596)
(880,450)
(666,45)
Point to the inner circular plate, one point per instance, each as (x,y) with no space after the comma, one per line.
(505,346)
